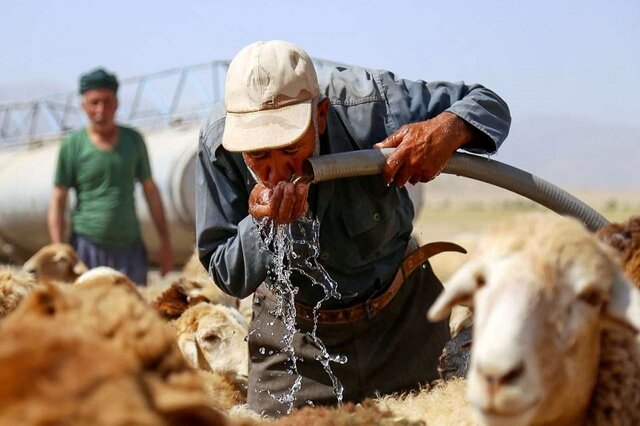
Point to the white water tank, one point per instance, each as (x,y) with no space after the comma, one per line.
(26,181)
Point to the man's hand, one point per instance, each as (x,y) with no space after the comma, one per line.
(283,203)
(423,149)
(166,257)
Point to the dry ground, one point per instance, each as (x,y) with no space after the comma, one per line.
(454,205)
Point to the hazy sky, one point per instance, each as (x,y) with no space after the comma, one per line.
(575,59)
(580,58)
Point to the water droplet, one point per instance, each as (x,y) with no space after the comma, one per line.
(262,351)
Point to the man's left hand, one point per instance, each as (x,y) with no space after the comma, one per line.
(423,149)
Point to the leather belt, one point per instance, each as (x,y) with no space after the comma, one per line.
(371,307)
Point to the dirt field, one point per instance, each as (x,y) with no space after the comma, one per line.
(454,205)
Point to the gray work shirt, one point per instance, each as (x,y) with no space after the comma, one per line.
(365,224)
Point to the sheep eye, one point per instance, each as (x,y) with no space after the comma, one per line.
(591,297)
(212,338)
(480,281)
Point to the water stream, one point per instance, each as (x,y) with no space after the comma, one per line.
(296,247)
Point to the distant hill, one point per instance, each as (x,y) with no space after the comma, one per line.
(575,153)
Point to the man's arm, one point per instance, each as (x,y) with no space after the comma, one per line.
(156,208)
(55,215)
(228,242)
(430,121)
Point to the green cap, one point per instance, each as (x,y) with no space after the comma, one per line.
(98,79)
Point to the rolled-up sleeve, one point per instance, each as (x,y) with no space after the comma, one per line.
(228,242)
(413,101)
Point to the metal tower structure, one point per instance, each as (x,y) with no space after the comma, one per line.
(152,101)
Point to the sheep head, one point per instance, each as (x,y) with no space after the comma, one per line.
(542,289)
(625,238)
(211,337)
(57,261)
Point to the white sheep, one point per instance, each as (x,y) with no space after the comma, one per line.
(105,275)
(443,404)
(193,267)
(444,266)
(57,262)
(555,326)
(212,338)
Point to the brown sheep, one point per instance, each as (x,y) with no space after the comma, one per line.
(55,262)
(189,291)
(625,238)
(194,269)
(366,414)
(15,285)
(61,375)
(77,334)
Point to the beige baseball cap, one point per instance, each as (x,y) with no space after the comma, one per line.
(269,93)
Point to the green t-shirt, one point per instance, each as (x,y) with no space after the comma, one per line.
(104,181)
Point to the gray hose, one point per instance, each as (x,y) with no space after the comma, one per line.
(370,162)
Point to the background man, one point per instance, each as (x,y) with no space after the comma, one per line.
(277,116)
(102,162)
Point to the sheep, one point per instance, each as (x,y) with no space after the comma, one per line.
(105,275)
(188,291)
(555,326)
(625,238)
(444,265)
(15,285)
(226,391)
(63,375)
(442,404)
(212,338)
(194,286)
(109,325)
(349,414)
(193,267)
(454,360)
(56,261)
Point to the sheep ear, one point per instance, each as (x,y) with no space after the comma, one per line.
(458,291)
(30,267)
(80,268)
(623,306)
(60,256)
(189,349)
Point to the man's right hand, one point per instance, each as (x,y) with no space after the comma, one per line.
(283,203)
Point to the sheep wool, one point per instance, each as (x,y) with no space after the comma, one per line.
(14,286)
(443,404)
(616,397)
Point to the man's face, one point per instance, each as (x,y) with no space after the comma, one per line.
(275,165)
(100,106)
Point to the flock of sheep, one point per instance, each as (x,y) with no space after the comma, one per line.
(555,313)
